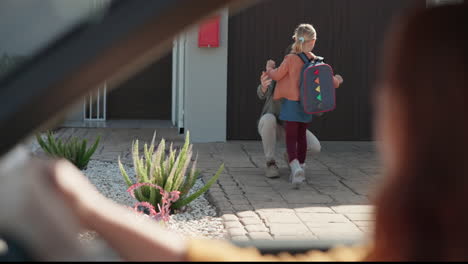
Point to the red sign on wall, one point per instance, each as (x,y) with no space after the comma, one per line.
(208,32)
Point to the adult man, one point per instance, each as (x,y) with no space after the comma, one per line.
(271,128)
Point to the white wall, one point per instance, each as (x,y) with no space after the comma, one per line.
(205,82)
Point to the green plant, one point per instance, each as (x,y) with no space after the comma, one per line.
(74,150)
(155,168)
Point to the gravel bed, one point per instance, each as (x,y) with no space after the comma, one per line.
(198,220)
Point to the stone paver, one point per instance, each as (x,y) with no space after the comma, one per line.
(256,228)
(233,224)
(251,221)
(236,231)
(229,218)
(260,236)
(286,229)
(332,204)
(247,214)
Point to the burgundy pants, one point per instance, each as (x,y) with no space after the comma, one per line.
(296,140)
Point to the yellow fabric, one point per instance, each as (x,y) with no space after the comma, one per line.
(218,250)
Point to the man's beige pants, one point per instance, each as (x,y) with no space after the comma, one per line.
(271,133)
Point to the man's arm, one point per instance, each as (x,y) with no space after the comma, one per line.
(266,87)
(337,80)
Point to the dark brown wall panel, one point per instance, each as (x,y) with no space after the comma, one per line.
(350,34)
(145,96)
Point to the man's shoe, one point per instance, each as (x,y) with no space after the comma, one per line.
(272,170)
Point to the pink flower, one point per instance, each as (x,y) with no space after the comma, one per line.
(150,207)
(168,198)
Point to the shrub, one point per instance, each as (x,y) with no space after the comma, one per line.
(156,170)
(74,150)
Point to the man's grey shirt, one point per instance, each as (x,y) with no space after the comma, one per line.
(271,106)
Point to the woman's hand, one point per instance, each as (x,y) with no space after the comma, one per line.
(145,241)
(78,193)
(266,81)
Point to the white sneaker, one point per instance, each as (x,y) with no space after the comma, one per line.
(297,173)
(272,170)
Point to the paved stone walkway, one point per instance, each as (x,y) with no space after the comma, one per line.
(333,204)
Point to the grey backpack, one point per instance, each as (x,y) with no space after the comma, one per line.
(317,93)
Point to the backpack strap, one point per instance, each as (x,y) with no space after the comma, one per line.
(306,59)
(303,57)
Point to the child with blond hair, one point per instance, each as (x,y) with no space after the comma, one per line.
(296,120)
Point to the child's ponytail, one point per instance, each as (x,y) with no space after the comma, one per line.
(303,33)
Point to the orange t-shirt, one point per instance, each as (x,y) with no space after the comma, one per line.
(288,76)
